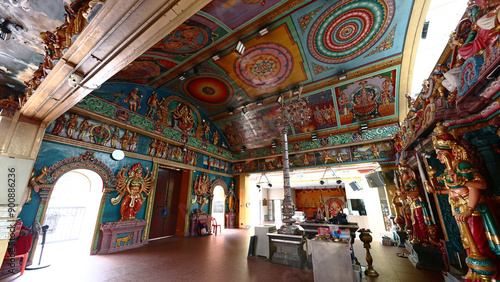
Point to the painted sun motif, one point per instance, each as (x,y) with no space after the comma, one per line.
(349,28)
(264,66)
(209,89)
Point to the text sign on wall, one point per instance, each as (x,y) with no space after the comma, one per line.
(14,177)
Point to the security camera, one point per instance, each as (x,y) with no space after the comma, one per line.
(339,181)
(75,79)
(258,186)
(321,182)
(270,185)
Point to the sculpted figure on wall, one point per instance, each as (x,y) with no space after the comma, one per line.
(131,189)
(464,184)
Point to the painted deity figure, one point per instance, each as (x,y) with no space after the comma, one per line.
(84,128)
(133,100)
(133,142)
(125,140)
(72,125)
(231,198)
(131,189)
(344,103)
(59,126)
(463,183)
(152,105)
(419,214)
(184,117)
(202,188)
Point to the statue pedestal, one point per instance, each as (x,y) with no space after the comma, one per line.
(119,236)
(289,249)
(230,220)
(425,257)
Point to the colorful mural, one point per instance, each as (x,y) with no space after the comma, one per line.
(373,151)
(187,39)
(209,89)
(323,113)
(225,10)
(367,99)
(266,67)
(348,28)
(327,201)
(143,70)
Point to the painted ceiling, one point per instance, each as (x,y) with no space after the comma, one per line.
(309,44)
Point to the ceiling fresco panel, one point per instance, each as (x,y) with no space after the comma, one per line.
(235,13)
(338,36)
(367,99)
(189,38)
(323,113)
(270,63)
(143,70)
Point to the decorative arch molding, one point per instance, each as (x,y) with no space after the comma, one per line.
(220,182)
(86,160)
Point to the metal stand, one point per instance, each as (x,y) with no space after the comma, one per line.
(44,233)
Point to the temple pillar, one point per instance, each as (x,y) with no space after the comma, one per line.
(243,192)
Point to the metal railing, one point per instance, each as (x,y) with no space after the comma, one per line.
(64,223)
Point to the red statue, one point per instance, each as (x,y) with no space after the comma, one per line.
(131,189)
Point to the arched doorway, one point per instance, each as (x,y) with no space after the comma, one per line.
(71,215)
(218,206)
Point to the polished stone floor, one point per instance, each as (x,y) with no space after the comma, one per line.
(209,258)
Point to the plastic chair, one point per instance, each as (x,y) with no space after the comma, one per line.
(215,225)
(24,257)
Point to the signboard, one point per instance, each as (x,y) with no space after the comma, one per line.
(14,177)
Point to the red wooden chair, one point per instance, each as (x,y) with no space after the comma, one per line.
(215,225)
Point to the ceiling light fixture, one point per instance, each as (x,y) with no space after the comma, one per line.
(215,57)
(240,48)
(244,110)
(342,75)
(263,31)
(230,112)
(364,127)
(273,144)
(242,149)
(260,181)
(182,76)
(260,102)
(314,136)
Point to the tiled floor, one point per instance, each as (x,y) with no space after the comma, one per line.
(210,258)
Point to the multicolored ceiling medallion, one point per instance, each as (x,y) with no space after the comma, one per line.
(209,89)
(349,28)
(264,66)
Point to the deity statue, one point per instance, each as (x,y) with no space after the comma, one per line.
(215,137)
(231,198)
(152,105)
(84,129)
(182,114)
(463,183)
(59,126)
(72,125)
(125,140)
(419,212)
(131,188)
(133,100)
(202,189)
(33,183)
(133,142)
(115,137)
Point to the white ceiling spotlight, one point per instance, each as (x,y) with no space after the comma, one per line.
(240,48)
(263,31)
(118,155)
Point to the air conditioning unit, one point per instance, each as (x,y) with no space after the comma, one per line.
(375,179)
(355,186)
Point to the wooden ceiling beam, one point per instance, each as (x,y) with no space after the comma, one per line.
(121,31)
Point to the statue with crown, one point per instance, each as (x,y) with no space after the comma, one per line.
(130,187)
(464,185)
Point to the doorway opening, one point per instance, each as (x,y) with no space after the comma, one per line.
(218,206)
(71,215)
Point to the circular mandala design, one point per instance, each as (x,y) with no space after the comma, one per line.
(264,66)
(349,28)
(209,89)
